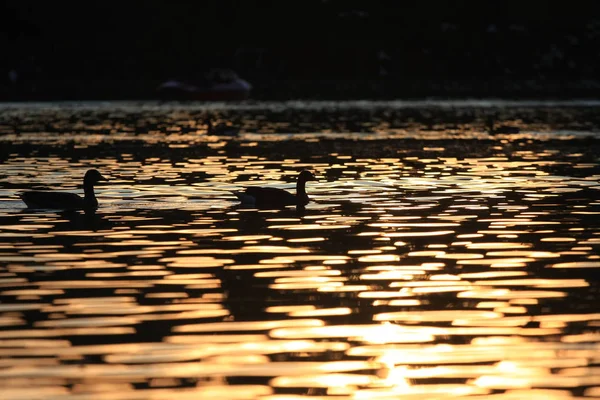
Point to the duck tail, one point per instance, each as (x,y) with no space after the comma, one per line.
(244,198)
(28,199)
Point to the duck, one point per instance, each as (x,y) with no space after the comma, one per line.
(66,201)
(274,197)
(493,129)
(220,129)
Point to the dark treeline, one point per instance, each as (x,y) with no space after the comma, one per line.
(300,40)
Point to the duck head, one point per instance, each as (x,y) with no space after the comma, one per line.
(306,176)
(92,176)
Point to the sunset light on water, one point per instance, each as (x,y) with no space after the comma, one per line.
(435,259)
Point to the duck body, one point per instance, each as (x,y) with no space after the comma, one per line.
(263,196)
(66,201)
(275,197)
(58,200)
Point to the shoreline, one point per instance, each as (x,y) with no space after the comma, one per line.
(282,90)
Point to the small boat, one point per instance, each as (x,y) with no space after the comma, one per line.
(217,85)
(66,201)
(274,197)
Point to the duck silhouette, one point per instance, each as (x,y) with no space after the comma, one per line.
(221,129)
(66,201)
(274,197)
(494,129)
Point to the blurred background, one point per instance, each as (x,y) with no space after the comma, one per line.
(313,49)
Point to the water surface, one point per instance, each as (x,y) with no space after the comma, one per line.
(438,259)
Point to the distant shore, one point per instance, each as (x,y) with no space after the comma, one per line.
(50,90)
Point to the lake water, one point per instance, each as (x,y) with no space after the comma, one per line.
(438,259)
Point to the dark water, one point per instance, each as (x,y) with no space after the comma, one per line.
(436,260)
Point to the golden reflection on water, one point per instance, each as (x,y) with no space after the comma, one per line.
(455,268)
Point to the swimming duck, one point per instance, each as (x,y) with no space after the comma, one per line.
(220,129)
(494,129)
(274,197)
(66,201)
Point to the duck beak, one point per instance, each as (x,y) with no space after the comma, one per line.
(102,178)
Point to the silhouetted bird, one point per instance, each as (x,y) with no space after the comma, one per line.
(493,129)
(220,129)
(274,197)
(66,201)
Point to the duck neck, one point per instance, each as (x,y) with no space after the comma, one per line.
(89,195)
(301,188)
